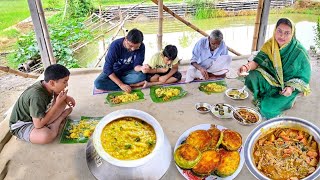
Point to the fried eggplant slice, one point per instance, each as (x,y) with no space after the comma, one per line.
(216,137)
(187,156)
(201,139)
(229,163)
(231,140)
(208,163)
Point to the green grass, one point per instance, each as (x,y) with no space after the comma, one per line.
(14,11)
(10,33)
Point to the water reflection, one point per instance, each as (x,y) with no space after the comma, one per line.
(238,33)
(238,38)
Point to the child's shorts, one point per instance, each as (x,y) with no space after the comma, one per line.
(176,75)
(22,130)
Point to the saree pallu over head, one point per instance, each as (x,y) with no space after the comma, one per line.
(285,66)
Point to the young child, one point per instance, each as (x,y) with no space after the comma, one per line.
(162,68)
(41,109)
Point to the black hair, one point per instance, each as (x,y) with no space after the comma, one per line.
(284,21)
(135,36)
(55,72)
(170,51)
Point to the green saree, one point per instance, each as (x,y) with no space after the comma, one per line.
(279,68)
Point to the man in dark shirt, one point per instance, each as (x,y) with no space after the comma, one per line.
(123,65)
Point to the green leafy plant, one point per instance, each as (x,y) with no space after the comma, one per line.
(62,36)
(79,8)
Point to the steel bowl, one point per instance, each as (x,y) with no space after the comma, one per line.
(127,113)
(202,107)
(222,111)
(227,92)
(281,122)
(255,112)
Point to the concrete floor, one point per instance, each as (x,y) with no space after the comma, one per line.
(67,161)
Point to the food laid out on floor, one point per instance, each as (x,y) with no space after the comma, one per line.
(118,98)
(236,94)
(79,131)
(283,148)
(285,153)
(166,93)
(222,111)
(203,107)
(249,115)
(213,87)
(209,151)
(128,138)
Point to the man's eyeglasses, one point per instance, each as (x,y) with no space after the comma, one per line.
(283,33)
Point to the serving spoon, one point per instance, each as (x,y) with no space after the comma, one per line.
(237,96)
(235,111)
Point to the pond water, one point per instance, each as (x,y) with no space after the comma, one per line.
(238,33)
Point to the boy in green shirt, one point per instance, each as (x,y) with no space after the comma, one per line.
(41,109)
(162,68)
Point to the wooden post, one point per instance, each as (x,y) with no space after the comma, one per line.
(264,23)
(160,15)
(191,25)
(261,24)
(41,31)
(257,26)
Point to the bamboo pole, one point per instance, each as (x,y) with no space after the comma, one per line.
(45,32)
(65,9)
(160,15)
(191,25)
(19,73)
(112,38)
(257,26)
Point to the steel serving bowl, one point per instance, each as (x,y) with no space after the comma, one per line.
(282,122)
(203,107)
(127,113)
(251,110)
(228,91)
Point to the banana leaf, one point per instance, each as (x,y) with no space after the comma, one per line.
(114,94)
(160,99)
(203,84)
(82,133)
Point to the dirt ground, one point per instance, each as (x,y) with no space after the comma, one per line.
(11,87)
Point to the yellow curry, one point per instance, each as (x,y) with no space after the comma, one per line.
(128,138)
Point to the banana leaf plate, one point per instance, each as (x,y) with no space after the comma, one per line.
(114,94)
(222,83)
(78,131)
(157,99)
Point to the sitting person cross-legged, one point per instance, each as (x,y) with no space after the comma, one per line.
(209,57)
(41,110)
(123,64)
(162,68)
(279,72)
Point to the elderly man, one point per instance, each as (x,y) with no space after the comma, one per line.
(123,66)
(209,56)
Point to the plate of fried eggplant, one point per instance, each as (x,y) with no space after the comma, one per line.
(209,151)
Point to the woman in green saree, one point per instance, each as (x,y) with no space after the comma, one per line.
(279,72)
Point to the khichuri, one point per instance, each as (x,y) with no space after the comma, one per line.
(128,138)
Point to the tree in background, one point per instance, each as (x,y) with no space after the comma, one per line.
(79,8)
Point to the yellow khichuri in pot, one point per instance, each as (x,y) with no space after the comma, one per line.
(128,138)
